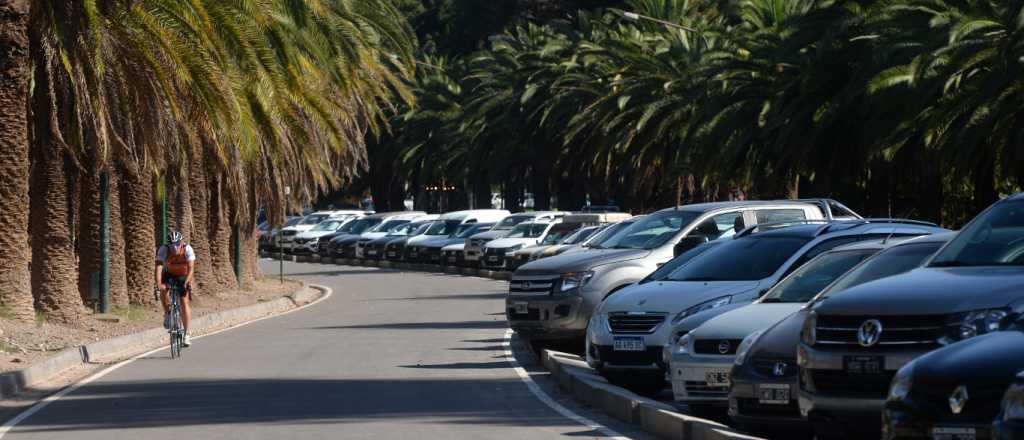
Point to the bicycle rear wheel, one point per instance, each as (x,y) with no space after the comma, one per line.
(176,332)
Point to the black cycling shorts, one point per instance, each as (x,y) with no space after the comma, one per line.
(176,281)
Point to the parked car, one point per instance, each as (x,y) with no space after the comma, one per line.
(323,247)
(344,245)
(853,344)
(629,330)
(702,355)
(551,247)
(1009,424)
(955,391)
(565,289)
(433,250)
(391,221)
(395,249)
(308,242)
(500,253)
(377,249)
(475,245)
(763,381)
(605,233)
(269,241)
(310,221)
(555,235)
(450,224)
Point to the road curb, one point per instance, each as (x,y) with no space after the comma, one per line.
(14,382)
(451,270)
(575,378)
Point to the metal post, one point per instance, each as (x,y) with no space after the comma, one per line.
(105,242)
(280,231)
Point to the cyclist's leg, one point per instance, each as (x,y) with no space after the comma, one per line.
(186,310)
(165,299)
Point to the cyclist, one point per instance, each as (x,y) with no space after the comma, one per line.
(176,263)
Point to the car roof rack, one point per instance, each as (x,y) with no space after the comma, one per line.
(756,228)
(867,221)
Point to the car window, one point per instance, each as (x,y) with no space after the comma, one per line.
(447,227)
(313,219)
(530,230)
(720,226)
(892,261)
(329,225)
(363,224)
(663,272)
(556,234)
(510,222)
(651,231)
(995,238)
(389,225)
(833,243)
(780,215)
(840,211)
(608,232)
(744,259)
(292,221)
(811,278)
(347,227)
(578,236)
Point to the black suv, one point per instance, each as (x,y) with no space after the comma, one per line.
(853,344)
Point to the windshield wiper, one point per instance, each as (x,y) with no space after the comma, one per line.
(950,263)
(772,300)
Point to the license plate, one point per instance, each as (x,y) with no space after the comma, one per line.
(521,308)
(951,433)
(371,252)
(863,364)
(412,254)
(493,258)
(392,254)
(773,394)
(452,259)
(629,344)
(717,378)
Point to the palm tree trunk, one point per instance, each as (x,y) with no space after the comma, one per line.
(200,198)
(89,213)
(15,280)
(53,254)
(248,252)
(220,235)
(139,232)
(118,276)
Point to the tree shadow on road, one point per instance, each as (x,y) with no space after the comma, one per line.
(453,296)
(458,325)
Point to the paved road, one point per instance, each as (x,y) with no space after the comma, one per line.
(389,355)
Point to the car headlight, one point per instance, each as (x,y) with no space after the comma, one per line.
(901,383)
(1013,403)
(809,333)
(702,307)
(574,280)
(683,344)
(744,348)
(974,323)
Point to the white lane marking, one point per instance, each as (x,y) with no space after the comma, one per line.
(7,427)
(551,403)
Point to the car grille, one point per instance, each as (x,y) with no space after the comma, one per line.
(911,330)
(289,233)
(766,367)
(714,346)
(637,358)
(982,406)
(838,383)
(532,286)
(634,324)
(530,315)
(478,242)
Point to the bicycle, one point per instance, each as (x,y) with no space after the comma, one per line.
(177,329)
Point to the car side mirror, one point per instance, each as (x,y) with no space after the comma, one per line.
(688,243)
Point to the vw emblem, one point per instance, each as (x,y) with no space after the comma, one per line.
(869,333)
(958,400)
(779,369)
(526,285)
(724,346)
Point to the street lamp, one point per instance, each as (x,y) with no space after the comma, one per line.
(633,16)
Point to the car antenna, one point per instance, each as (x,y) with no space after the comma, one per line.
(891,233)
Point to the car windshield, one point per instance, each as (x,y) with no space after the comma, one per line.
(361,225)
(578,236)
(473,229)
(421,228)
(807,281)
(651,231)
(892,261)
(264,226)
(529,230)
(745,259)
(403,230)
(510,222)
(995,238)
(313,219)
(346,228)
(292,221)
(665,269)
(328,225)
(608,232)
(445,227)
(556,235)
(389,225)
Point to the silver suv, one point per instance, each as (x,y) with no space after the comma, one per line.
(474,249)
(554,298)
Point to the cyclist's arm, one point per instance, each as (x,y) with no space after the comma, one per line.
(160,274)
(191,272)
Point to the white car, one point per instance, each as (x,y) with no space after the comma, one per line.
(306,242)
(449,224)
(498,252)
(474,248)
(287,235)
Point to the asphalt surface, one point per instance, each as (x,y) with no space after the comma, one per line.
(388,355)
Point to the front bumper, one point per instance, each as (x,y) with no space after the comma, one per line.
(754,396)
(903,421)
(547,316)
(1008,430)
(691,378)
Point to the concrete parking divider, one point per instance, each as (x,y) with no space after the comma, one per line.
(468,271)
(574,377)
(108,350)
(451,270)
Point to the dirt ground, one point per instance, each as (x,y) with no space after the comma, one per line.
(23,343)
